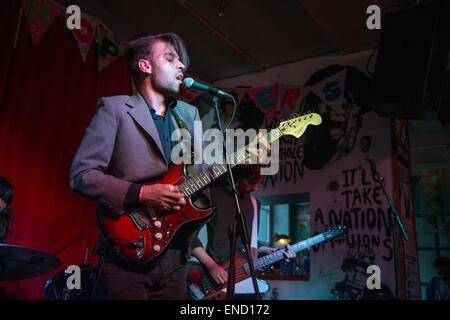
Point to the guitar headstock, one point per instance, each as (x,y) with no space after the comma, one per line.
(296,125)
(335,232)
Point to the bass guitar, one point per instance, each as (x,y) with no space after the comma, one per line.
(143,234)
(202,287)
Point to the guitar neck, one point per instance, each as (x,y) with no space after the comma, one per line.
(278,255)
(207,176)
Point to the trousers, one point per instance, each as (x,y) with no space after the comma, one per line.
(164,280)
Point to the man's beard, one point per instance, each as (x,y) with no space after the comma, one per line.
(166,88)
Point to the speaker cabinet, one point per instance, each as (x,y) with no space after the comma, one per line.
(411,61)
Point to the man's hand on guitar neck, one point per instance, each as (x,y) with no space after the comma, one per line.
(162,195)
(288,253)
(261,154)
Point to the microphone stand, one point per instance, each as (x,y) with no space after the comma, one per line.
(394,221)
(239,228)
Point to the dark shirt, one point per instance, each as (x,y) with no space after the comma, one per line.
(218,246)
(5,224)
(438,289)
(165,127)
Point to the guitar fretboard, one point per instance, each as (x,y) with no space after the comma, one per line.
(278,255)
(204,178)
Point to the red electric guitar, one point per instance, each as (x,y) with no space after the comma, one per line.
(202,287)
(143,234)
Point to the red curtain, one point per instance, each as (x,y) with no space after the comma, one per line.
(47,98)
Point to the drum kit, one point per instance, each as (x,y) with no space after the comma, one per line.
(19,263)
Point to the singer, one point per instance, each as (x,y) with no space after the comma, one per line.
(130,137)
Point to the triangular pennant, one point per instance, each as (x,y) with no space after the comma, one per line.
(228,105)
(189,95)
(40,14)
(85,35)
(331,89)
(289,100)
(108,48)
(266,98)
(236,92)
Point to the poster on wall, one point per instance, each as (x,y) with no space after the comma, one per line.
(348,194)
(353,199)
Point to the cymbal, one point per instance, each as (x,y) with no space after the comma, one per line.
(18,263)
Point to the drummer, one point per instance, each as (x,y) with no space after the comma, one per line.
(6,195)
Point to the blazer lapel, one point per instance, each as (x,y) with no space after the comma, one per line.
(141,114)
(172,118)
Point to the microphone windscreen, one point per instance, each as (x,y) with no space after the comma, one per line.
(188,82)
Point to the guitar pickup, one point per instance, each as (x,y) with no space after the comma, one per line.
(140,220)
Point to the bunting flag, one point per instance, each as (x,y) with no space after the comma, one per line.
(289,100)
(85,35)
(228,105)
(40,14)
(189,94)
(266,98)
(108,48)
(331,90)
(237,93)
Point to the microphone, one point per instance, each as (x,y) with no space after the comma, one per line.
(370,160)
(190,83)
(373,167)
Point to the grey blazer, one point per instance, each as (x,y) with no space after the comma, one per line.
(121,146)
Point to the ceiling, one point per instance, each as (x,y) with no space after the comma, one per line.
(248,35)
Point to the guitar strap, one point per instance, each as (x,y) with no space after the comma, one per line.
(182,124)
(254,237)
(180,121)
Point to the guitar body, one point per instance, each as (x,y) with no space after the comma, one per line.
(143,234)
(202,287)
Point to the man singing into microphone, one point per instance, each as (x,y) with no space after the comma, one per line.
(128,143)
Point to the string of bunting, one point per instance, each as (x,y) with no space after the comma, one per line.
(271,99)
(40,15)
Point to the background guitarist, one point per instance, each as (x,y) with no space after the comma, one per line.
(218,247)
(128,143)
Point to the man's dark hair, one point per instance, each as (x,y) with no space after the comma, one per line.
(6,193)
(442,262)
(251,172)
(140,47)
(6,190)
